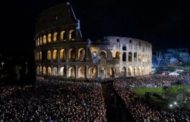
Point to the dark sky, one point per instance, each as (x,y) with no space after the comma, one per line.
(164,24)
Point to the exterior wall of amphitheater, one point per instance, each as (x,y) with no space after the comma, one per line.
(62,53)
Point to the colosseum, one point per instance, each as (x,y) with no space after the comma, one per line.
(61,52)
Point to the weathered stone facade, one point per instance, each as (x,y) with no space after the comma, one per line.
(61,51)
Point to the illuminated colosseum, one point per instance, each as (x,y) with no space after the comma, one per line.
(62,53)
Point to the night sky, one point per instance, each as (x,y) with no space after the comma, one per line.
(164,24)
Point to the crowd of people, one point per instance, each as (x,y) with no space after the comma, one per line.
(69,101)
(139,108)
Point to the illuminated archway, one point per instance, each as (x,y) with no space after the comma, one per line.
(81,72)
(44,70)
(37,70)
(44,39)
(40,57)
(41,41)
(71,72)
(41,70)
(92,72)
(124,71)
(63,35)
(62,54)
(54,54)
(72,54)
(81,54)
(72,34)
(54,71)
(55,37)
(62,71)
(49,71)
(130,71)
(117,55)
(49,55)
(111,72)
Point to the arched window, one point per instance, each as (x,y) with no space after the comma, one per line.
(41,41)
(40,57)
(41,70)
(124,56)
(36,56)
(55,73)
(130,57)
(54,54)
(71,72)
(55,37)
(48,55)
(61,54)
(37,42)
(44,39)
(49,71)
(103,54)
(72,54)
(44,70)
(81,72)
(63,35)
(81,54)
(135,56)
(117,55)
(124,48)
(72,34)
(37,70)
(49,37)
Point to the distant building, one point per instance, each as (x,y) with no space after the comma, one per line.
(61,51)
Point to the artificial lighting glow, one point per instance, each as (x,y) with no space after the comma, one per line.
(175,103)
(171,105)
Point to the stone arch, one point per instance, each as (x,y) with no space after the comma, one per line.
(44,70)
(41,70)
(54,71)
(81,72)
(49,72)
(130,71)
(124,71)
(71,72)
(49,55)
(135,71)
(41,41)
(72,34)
(62,54)
(44,39)
(103,54)
(92,72)
(117,55)
(62,71)
(81,54)
(54,54)
(139,71)
(63,35)
(135,56)
(49,37)
(111,72)
(124,56)
(55,36)
(130,57)
(37,70)
(40,55)
(124,48)
(72,54)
